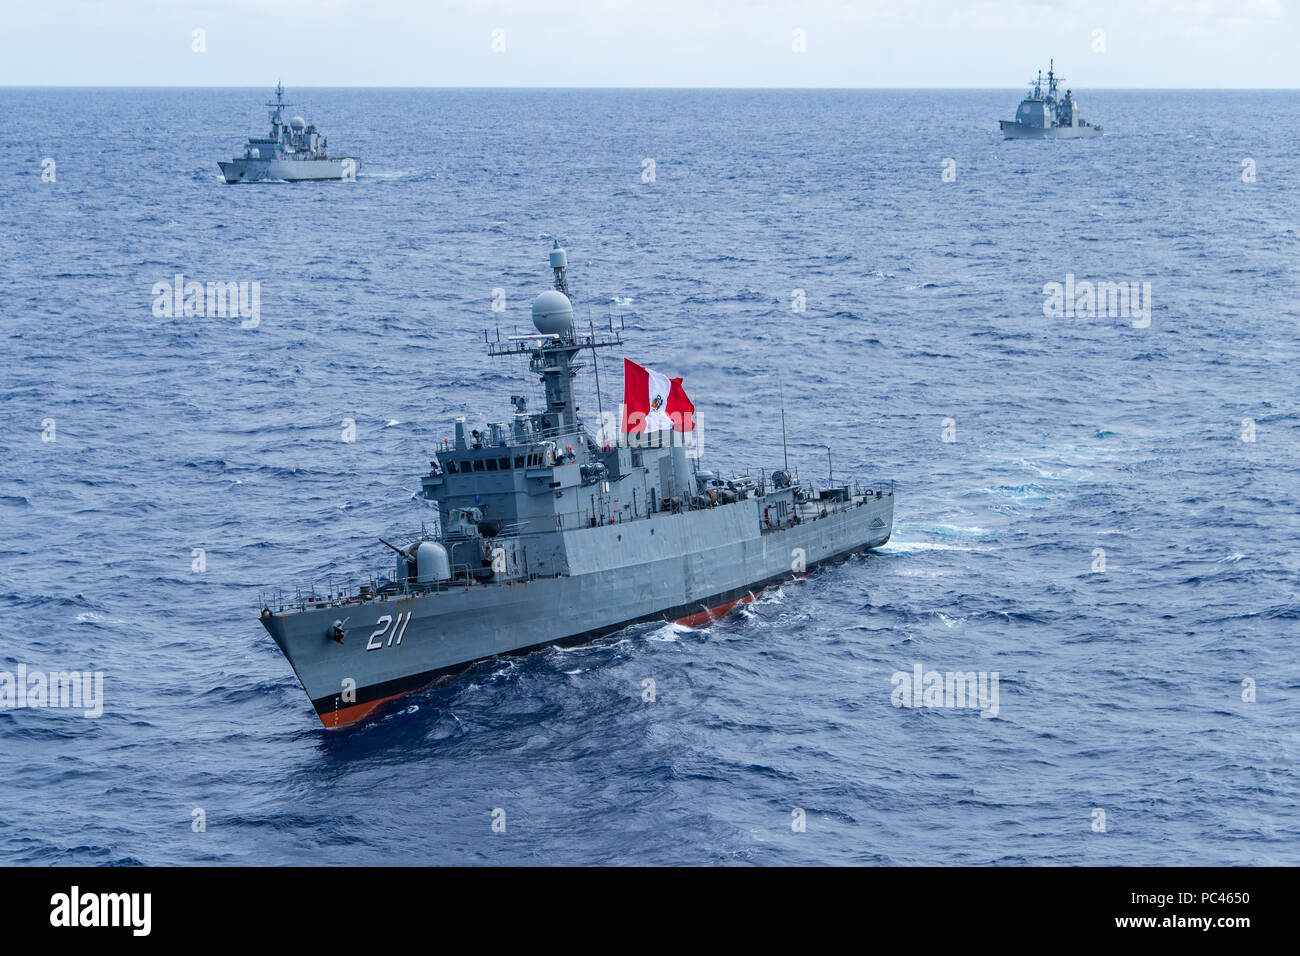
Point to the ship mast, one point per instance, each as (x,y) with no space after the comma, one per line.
(277,116)
(551,351)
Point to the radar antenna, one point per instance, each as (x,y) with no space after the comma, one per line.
(551,349)
(560,266)
(277,115)
(1052,78)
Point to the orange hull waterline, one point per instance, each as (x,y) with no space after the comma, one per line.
(345,716)
(354,713)
(704,618)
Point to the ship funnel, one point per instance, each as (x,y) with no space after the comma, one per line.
(552,312)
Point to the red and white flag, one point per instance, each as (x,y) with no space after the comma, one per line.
(653,402)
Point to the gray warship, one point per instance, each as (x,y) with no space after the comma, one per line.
(550,536)
(291,152)
(1042,115)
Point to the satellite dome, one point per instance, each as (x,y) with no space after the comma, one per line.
(298,123)
(552,313)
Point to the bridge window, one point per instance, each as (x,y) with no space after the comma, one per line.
(451,467)
(478,464)
(505,464)
(519,461)
(491,464)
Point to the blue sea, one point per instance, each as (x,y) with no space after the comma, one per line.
(1101,511)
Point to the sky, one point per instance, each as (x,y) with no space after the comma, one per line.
(985,44)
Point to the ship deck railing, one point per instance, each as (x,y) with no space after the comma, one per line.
(506,431)
(300,598)
(815,508)
(858,487)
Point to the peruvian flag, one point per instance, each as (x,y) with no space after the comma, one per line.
(653,402)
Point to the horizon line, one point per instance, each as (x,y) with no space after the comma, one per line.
(999,89)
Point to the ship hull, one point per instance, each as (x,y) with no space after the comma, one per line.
(293,171)
(1013,130)
(691,568)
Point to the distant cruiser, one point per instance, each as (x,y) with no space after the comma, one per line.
(293,151)
(1043,116)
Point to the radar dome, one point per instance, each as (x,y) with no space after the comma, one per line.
(552,313)
(298,123)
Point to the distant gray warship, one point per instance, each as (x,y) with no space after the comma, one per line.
(1044,116)
(550,536)
(293,152)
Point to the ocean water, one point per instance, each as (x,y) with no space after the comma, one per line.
(1160,691)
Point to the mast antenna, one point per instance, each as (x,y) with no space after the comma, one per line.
(785,449)
(560,265)
(595,367)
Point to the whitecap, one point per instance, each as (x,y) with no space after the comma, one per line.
(907,547)
(953,531)
(94,617)
(668,633)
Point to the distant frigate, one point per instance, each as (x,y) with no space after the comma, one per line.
(548,535)
(1043,116)
(292,152)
